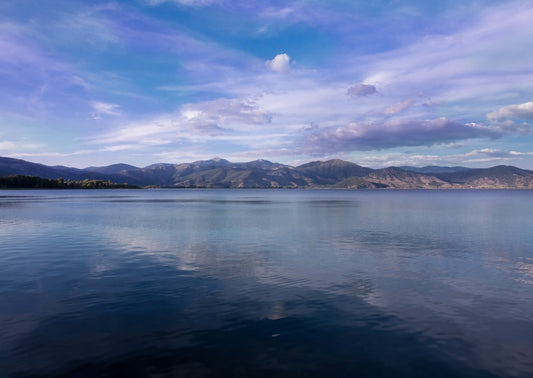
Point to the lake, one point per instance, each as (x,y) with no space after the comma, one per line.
(264,283)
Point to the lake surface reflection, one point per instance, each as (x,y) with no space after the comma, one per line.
(251,283)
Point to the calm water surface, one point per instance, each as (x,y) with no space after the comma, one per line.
(253,283)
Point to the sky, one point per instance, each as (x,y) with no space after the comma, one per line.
(375,82)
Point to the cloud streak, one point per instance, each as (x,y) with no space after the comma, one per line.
(398,107)
(103,108)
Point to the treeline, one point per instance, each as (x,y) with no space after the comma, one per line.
(34,182)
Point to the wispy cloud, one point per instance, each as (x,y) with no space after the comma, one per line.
(470,64)
(8,145)
(398,107)
(196,123)
(104,108)
(25,66)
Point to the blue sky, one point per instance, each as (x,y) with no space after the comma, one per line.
(379,83)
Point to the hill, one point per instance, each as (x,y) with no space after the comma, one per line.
(34,182)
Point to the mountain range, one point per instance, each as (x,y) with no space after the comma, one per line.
(221,173)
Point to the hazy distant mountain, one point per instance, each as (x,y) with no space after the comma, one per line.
(221,173)
(112,169)
(501,176)
(433,169)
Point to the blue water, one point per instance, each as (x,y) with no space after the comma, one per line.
(264,283)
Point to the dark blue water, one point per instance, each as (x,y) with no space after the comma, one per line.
(262,283)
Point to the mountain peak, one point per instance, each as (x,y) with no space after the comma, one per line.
(215,162)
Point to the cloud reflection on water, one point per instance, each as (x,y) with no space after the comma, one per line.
(193,276)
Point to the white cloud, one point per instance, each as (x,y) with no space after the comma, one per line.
(226,112)
(398,107)
(281,63)
(520,111)
(121,147)
(491,152)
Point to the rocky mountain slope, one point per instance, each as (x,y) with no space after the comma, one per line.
(221,173)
